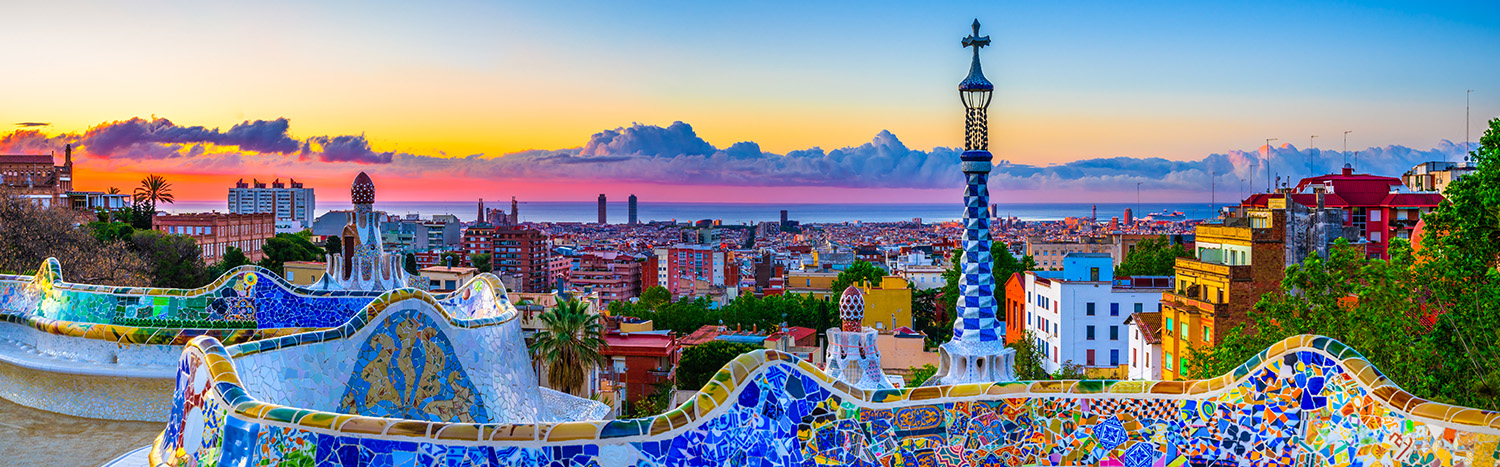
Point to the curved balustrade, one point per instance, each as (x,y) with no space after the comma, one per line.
(1307,400)
(111,352)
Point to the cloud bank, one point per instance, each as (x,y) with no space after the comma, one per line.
(676,155)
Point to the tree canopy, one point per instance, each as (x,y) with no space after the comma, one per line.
(1429,318)
(1151,257)
(701,362)
(288,247)
(747,311)
(860,272)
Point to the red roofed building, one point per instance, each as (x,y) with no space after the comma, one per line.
(639,361)
(1376,206)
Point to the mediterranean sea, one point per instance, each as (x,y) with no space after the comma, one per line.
(741,213)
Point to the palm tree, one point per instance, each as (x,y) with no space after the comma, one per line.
(570,345)
(114,191)
(154,188)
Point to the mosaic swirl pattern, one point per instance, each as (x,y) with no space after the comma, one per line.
(1306,401)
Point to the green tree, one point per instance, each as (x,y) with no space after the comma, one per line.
(481,261)
(1457,277)
(860,272)
(112,231)
(656,403)
(233,258)
(920,375)
(699,363)
(175,260)
(1152,257)
(154,189)
(655,296)
(287,247)
(569,344)
(451,259)
(333,246)
(1028,359)
(411,264)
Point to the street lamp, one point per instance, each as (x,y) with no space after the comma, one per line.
(1268,164)
(975,91)
(1310,142)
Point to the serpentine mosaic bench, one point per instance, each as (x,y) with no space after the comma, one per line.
(111,352)
(1308,400)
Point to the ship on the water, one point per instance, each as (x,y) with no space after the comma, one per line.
(1166,215)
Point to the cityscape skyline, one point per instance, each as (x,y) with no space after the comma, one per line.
(470,101)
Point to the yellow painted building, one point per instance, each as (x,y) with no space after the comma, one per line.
(303,273)
(817,284)
(887,306)
(1233,265)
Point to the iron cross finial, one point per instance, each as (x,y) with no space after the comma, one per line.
(976,41)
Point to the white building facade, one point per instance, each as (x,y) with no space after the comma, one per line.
(295,203)
(1145,346)
(1078,314)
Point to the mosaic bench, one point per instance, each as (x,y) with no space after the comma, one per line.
(111,352)
(1308,400)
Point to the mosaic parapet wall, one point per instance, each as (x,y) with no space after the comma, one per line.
(1306,401)
(71,348)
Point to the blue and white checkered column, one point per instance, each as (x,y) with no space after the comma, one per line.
(976,286)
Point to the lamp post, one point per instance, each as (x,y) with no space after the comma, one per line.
(1268,164)
(1138,199)
(1346,146)
(1466,123)
(1310,142)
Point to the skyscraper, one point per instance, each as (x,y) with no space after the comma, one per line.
(603,211)
(783,218)
(633,220)
(977,351)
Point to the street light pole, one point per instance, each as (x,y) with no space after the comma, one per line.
(1346,144)
(1213,200)
(1466,123)
(1138,199)
(1310,143)
(1268,164)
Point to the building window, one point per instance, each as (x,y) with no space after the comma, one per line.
(1114,357)
(1208,334)
(1139,307)
(1168,360)
(1170,328)
(1184,332)
(1089,357)
(1114,333)
(1094,274)
(1114,309)
(1089,308)
(1090,333)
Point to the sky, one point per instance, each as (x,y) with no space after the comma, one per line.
(739,101)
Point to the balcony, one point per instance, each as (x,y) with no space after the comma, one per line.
(1218,232)
(1194,267)
(1191,304)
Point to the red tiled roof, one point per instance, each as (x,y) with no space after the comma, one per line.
(1149,324)
(636,343)
(26,159)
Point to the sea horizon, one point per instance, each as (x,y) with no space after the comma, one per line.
(743,213)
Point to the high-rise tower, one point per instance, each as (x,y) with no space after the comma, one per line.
(977,351)
(603,212)
(632,220)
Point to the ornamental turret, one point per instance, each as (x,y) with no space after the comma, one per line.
(977,351)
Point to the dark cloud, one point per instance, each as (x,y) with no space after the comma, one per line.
(115,139)
(347,148)
(30,124)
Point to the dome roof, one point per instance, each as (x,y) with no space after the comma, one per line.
(363,190)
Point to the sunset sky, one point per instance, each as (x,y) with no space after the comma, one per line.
(562,100)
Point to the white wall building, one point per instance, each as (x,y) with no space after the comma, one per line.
(295,204)
(1078,314)
(1145,346)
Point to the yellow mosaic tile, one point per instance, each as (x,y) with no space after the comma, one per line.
(524,432)
(409,428)
(925,393)
(679,417)
(572,431)
(963,390)
(1471,417)
(999,389)
(365,425)
(458,431)
(1433,410)
(659,425)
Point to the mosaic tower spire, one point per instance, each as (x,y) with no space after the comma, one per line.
(977,351)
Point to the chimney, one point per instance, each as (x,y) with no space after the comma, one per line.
(1319,190)
(68,155)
